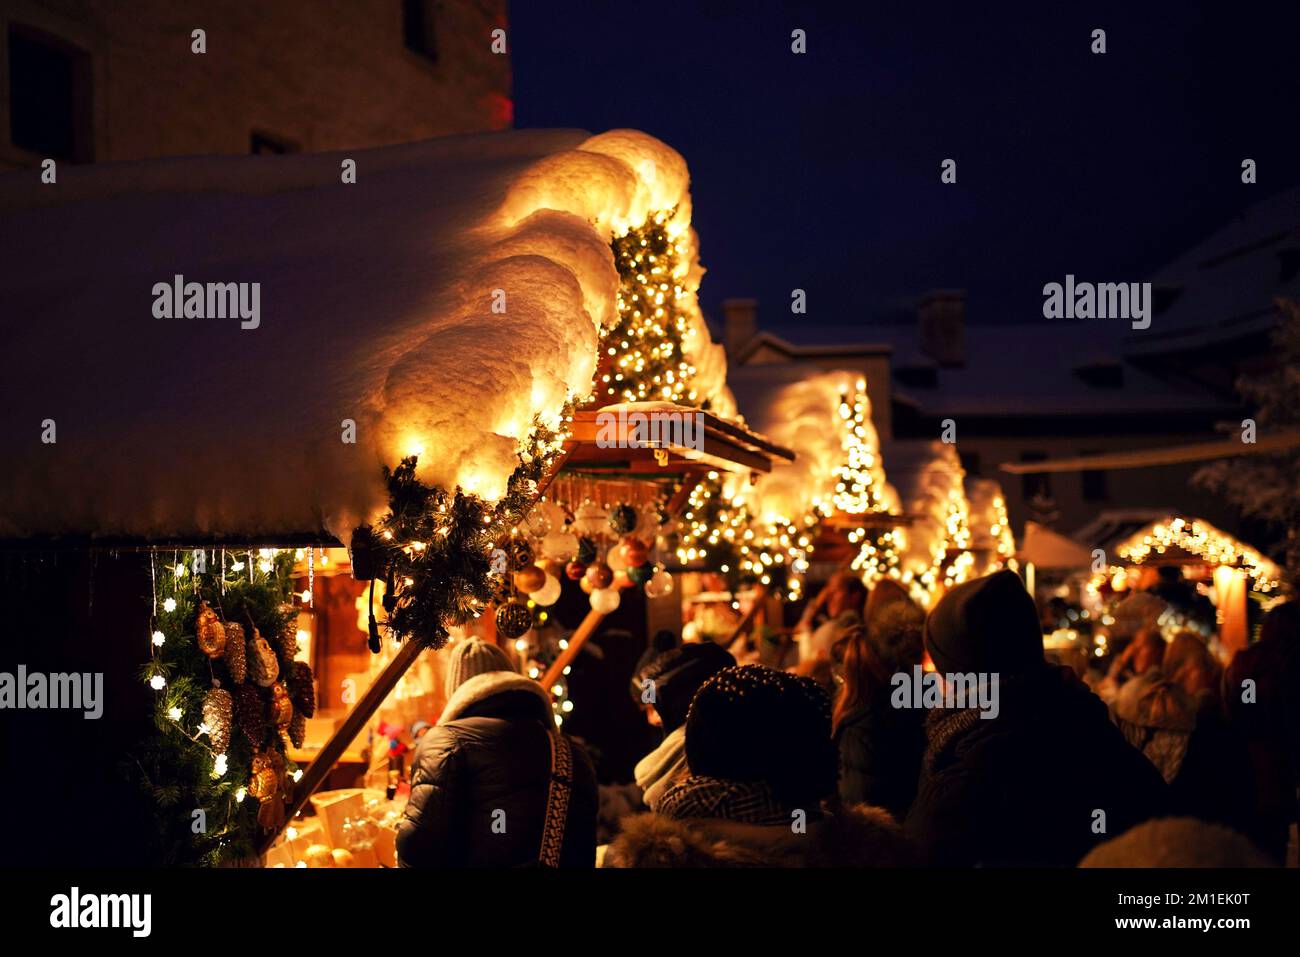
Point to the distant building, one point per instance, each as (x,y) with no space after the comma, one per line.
(1059,389)
(101,80)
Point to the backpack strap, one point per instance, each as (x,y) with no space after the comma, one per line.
(557,800)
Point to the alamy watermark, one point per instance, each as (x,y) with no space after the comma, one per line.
(930,689)
(1102,300)
(179,299)
(23,690)
(651,429)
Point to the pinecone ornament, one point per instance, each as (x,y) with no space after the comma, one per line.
(236,652)
(263,666)
(288,642)
(297,729)
(218,713)
(209,632)
(250,714)
(301,690)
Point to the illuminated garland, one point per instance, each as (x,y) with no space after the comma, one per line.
(1197,538)
(648,347)
(855,485)
(180,766)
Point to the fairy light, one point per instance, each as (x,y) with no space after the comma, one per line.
(1196,538)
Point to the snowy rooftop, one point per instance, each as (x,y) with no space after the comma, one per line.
(376,306)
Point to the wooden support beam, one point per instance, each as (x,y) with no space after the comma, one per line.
(586,628)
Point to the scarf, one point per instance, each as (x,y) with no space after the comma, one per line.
(662,768)
(750,802)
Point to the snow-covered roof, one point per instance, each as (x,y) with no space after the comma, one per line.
(380,303)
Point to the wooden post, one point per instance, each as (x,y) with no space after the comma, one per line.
(755,610)
(586,628)
(351,727)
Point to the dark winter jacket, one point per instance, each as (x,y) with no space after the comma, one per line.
(480,781)
(854,837)
(880,754)
(1024,788)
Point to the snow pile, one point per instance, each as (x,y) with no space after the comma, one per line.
(451,294)
(805,416)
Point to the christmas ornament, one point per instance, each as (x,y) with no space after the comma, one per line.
(520,553)
(574,570)
(636,551)
(561,545)
(513,619)
(605,600)
(281,706)
(263,666)
(590,519)
(549,593)
(211,636)
(622,519)
(297,729)
(621,580)
(530,579)
(640,574)
(616,558)
(249,713)
(586,551)
(218,714)
(264,782)
(659,585)
(301,690)
(343,857)
(318,855)
(600,575)
(585,584)
(288,642)
(236,652)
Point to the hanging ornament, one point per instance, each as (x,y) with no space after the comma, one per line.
(640,574)
(211,636)
(636,551)
(288,642)
(561,545)
(538,522)
(549,593)
(262,663)
(520,553)
(585,584)
(513,619)
(236,659)
(622,519)
(590,520)
(600,575)
(302,692)
(605,600)
(297,729)
(616,558)
(621,580)
(250,714)
(574,570)
(586,551)
(264,781)
(530,579)
(218,714)
(281,706)
(659,585)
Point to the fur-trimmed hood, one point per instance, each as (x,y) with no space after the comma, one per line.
(857,836)
(489,684)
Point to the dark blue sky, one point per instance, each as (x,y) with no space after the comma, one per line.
(821,171)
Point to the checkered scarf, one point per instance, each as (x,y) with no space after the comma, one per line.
(750,802)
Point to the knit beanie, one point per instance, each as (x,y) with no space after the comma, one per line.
(987,625)
(751,723)
(677,674)
(470,658)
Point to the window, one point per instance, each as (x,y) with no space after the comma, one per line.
(1034,484)
(418,28)
(266,143)
(1095,488)
(49,96)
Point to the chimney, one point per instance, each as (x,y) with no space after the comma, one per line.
(740,324)
(941,315)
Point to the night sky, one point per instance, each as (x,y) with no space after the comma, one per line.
(821,171)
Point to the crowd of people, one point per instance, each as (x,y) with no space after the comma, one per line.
(1168,759)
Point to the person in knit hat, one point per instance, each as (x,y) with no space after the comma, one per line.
(664,687)
(1040,779)
(761,765)
(481,778)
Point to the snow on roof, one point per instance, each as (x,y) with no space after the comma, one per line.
(376,306)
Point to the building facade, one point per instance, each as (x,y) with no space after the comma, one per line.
(102,80)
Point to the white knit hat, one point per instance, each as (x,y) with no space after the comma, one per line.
(472,657)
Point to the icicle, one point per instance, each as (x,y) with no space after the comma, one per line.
(311,578)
